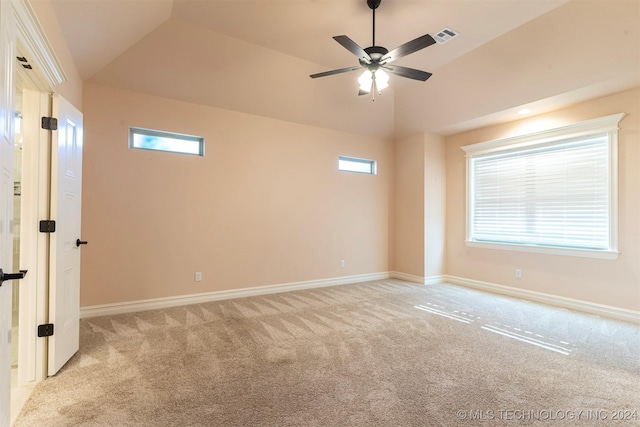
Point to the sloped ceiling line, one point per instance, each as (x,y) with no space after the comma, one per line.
(255,56)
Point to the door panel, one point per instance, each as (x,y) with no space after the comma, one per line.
(7,62)
(66,203)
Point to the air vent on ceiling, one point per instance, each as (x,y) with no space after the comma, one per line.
(445,35)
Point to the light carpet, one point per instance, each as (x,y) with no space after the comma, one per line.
(382,353)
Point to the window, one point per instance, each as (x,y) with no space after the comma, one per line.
(549,192)
(352,164)
(148,139)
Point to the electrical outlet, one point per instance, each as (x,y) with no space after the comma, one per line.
(518,273)
(342,263)
(198,276)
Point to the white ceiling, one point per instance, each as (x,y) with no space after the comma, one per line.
(255,56)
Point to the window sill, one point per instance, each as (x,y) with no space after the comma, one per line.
(583,253)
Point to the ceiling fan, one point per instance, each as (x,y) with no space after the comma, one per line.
(376,59)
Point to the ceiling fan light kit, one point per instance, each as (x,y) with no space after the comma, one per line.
(374,81)
(376,59)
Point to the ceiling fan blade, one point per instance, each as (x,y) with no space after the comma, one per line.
(353,47)
(332,72)
(409,73)
(362,92)
(407,48)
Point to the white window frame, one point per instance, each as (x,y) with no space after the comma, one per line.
(371,163)
(164,134)
(605,125)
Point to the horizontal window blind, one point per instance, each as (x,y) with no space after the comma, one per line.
(549,195)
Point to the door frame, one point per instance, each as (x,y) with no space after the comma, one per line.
(7,179)
(47,73)
(34,252)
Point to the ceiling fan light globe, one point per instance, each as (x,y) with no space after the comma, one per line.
(382,80)
(366,81)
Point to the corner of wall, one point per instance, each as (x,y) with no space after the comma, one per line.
(420,202)
(435,200)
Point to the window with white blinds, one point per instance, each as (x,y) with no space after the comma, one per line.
(549,192)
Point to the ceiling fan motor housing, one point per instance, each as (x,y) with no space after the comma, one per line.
(375,53)
(373,4)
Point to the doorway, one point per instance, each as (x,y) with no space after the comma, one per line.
(15,292)
(49,177)
(21,387)
(16,393)
(29,73)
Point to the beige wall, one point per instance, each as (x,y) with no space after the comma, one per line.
(419,205)
(408,230)
(435,200)
(266,205)
(615,283)
(205,67)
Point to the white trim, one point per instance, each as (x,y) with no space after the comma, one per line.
(372,163)
(34,246)
(554,300)
(434,280)
(589,127)
(181,137)
(157,303)
(431,280)
(36,44)
(548,299)
(613,188)
(408,277)
(585,253)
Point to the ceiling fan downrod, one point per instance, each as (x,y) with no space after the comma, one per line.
(373,5)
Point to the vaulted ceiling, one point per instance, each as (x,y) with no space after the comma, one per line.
(255,56)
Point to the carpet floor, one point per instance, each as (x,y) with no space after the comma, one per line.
(382,353)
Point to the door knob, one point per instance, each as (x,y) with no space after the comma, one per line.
(81,242)
(11,276)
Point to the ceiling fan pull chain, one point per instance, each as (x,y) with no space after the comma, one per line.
(374,88)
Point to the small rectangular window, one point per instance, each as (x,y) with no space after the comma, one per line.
(148,139)
(352,164)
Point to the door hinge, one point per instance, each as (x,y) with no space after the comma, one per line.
(45,330)
(47,226)
(49,123)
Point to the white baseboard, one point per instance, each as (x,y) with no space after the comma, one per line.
(549,299)
(407,277)
(434,280)
(431,280)
(157,303)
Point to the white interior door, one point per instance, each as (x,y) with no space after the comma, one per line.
(66,203)
(7,61)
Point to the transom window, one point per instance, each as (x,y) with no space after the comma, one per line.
(550,192)
(148,139)
(353,164)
